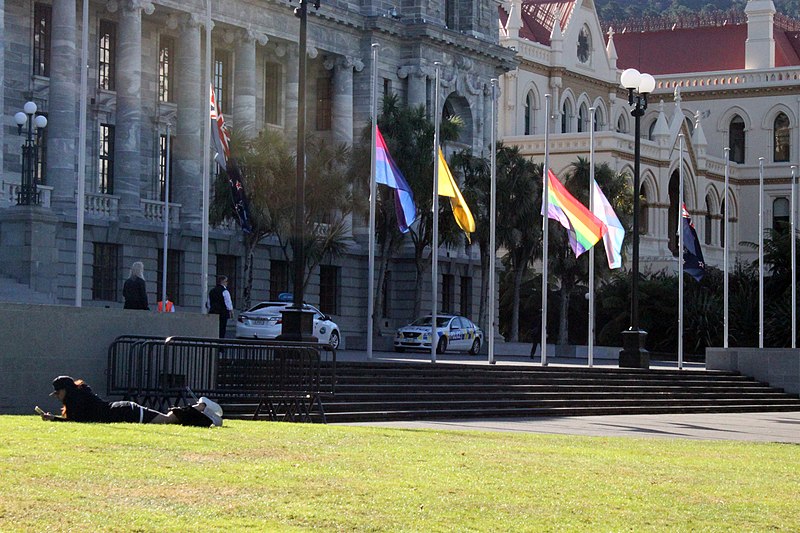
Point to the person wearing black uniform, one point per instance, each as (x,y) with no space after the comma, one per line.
(134,291)
(81,404)
(219,302)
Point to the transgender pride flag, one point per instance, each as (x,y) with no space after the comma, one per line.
(387,173)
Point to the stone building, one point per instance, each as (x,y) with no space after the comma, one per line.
(725,82)
(146,71)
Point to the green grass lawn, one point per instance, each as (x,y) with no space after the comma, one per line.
(262,476)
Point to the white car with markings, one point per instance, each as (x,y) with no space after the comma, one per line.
(265,321)
(456,333)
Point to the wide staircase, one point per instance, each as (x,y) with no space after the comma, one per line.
(419,391)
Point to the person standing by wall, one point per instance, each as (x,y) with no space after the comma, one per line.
(219,300)
(135,291)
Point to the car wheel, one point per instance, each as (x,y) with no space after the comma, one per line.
(442,346)
(399,349)
(333,342)
(476,347)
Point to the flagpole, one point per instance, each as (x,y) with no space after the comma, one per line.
(81,199)
(435,237)
(372,205)
(545,208)
(492,220)
(760,252)
(794,262)
(680,248)
(206,165)
(725,266)
(591,250)
(166,225)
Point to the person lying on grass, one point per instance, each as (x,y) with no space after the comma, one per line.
(80,404)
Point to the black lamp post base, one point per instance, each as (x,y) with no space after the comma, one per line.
(298,325)
(633,354)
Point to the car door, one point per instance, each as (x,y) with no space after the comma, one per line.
(457,334)
(322,328)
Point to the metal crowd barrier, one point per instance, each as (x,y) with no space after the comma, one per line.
(286,380)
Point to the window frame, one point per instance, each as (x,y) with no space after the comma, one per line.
(105,271)
(41,43)
(166,70)
(105,158)
(106,55)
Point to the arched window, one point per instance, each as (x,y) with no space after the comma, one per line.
(780,213)
(689,125)
(722,224)
(529,114)
(583,118)
(736,139)
(599,124)
(708,220)
(672,213)
(650,130)
(622,126)
(566,116)
(781,133)
(644,222)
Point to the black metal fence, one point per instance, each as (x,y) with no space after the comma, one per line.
(284,380)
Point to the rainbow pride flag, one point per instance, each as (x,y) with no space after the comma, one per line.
(584,229)
(387,173)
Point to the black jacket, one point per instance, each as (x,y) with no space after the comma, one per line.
(83,405)
(216,301)
(135,294)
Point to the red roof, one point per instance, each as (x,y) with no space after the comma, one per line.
(538,18)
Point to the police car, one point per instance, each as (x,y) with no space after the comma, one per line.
(265,321)
(456,333)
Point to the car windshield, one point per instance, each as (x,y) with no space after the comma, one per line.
(441,321)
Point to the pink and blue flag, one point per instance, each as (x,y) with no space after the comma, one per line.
(387,173)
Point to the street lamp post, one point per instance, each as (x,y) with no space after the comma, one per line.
(28,194)
(633,354)
(297,322)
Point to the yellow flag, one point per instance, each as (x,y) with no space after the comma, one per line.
(448,187)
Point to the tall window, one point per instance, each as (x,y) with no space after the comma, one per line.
(324,100)
(736,139)
(566,116)
(583,118)
(227,265)
(450,14)
(329,289)
(162,167)
(42,26)
(222,65)
(41,155)
(278,278)
(622,126)
(529,114)
(107,46)
(466,296)
(105,160)
(174,260)
(780,213)
(105,271)
(708,220)
(644,222)
(651,129)
(387,87)
(273,95)
(448,282)
(166,55)
(722,224)
(598,119)
(781,132)
(672,213)
(387,297)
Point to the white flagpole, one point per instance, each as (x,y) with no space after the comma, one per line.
(492,220)
(81,199)
(435,238)
(725,266)
(760,252)
(794,262)
(591,250)
(206,163)
(680,250)
(372,204)
(166,224)
(545,208)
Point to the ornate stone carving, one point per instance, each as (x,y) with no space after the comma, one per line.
(131,5)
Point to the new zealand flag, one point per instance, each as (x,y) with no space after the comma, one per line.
(693,262)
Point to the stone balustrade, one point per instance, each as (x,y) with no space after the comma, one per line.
(10,191)
(101,205)
(153,211)
(761,79)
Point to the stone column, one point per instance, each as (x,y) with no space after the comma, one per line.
(343,96)
(244,82)
(292,88)
(188,149)
(62,118)
(127,130)
(417,84)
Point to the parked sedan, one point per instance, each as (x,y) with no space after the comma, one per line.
(265,321)
(455,333)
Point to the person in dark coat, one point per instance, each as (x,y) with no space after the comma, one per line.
(220,303)
(81,404)
(536,332)
(135,291)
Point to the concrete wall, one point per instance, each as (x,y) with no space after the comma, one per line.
(40,342)
(780,367)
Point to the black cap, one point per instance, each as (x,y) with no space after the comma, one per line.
(62,382)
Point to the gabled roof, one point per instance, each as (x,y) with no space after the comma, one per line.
(538,18)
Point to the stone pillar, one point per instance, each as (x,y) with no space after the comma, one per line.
(292,88)
(244,82)
(127,130)
(188,149)
(62,118)
(343,96)
(417,84)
